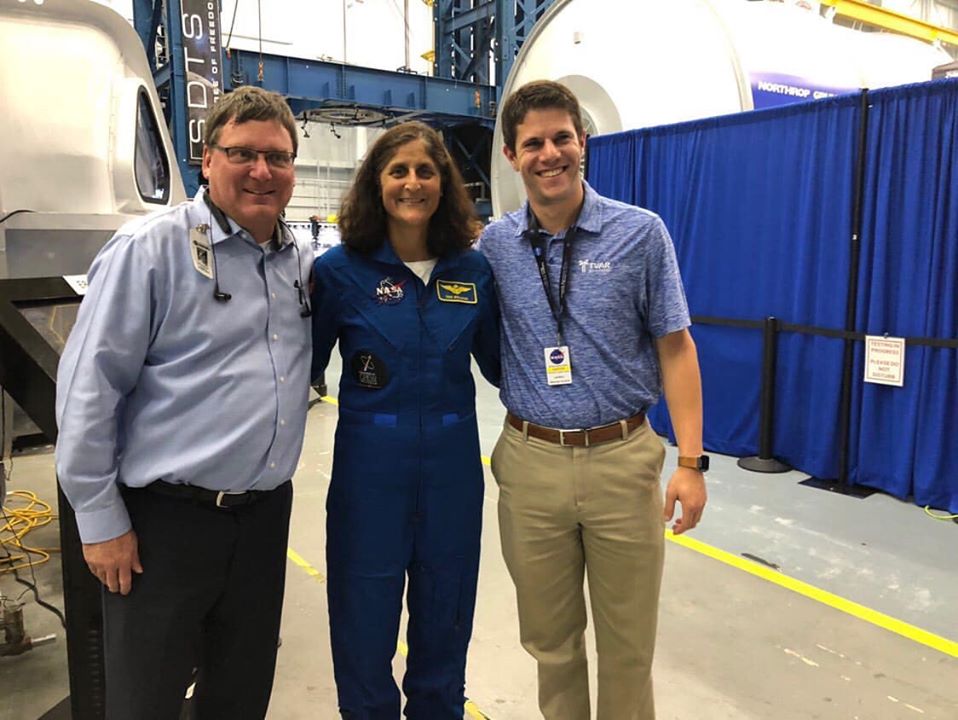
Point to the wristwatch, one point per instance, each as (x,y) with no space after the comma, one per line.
(695,462)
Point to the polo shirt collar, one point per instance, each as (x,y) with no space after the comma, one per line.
(590,217)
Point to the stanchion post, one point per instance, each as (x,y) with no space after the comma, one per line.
(765,462)
(844,484)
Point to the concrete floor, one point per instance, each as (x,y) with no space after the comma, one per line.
(732,645)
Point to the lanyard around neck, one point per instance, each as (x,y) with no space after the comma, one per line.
(556,305)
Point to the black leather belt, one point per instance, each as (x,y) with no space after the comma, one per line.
(584,437)
(202,496)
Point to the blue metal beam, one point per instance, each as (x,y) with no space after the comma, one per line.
(471,17)
(463,38)
(147,16)
(479,63)
(176,96)
(466,31)
(472,158)
(507,45)
(524,15)
(309,84)
(161,76)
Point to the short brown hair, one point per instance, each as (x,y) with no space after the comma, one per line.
(250,103)
(537,95)
(362,219)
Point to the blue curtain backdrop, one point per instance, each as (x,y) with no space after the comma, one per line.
(758,205)
(907,438)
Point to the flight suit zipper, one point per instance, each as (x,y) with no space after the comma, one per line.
(421,295)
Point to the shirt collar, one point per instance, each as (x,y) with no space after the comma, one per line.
(590,217)
(219,221)
(385,254)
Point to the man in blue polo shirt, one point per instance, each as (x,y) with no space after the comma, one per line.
(594,329)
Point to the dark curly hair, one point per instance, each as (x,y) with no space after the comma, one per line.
(362,220)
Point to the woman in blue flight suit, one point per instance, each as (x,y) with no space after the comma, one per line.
(409,301)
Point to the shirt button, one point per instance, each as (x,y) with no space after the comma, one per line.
(273,295)
(282,378)
(282,422)
(272,466)
(275,337)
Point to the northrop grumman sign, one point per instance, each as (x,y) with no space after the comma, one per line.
(201,58)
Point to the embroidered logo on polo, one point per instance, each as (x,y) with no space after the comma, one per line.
(453,291)
(369,370)
(390,292)
(589,266)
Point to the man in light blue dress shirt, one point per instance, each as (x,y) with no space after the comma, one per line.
(181,404)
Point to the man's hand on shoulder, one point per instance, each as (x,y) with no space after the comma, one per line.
(114,561)
(688,487)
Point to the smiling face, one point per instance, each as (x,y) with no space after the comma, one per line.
(411,186)
(547,154)
(254,194)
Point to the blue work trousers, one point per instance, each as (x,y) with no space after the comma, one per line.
(405,504)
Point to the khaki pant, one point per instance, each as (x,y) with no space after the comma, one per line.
(567,511)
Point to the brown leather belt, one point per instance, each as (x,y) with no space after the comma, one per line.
(583,437)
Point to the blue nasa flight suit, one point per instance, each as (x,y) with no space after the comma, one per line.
(406,493)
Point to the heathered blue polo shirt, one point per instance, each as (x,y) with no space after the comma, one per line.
(624,291)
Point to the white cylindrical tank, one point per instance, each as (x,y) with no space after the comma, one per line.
(646,63)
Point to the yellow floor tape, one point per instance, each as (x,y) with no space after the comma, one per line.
(916,634)
(899,627)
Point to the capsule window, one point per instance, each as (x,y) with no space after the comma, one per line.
(150,163)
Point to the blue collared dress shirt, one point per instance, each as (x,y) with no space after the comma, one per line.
(161,381)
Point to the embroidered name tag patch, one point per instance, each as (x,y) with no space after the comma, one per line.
(456,292)
(369,371)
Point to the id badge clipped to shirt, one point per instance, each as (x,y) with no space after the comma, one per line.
(558,365)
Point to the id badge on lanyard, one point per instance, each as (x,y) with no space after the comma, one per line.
(558,363)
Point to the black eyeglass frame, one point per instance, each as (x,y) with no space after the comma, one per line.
(277,159)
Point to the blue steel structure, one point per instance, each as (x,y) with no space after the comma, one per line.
(469,31)
(311,84)
(473,39)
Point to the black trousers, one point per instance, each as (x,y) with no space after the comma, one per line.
(210,597)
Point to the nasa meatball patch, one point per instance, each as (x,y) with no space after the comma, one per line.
(389,291)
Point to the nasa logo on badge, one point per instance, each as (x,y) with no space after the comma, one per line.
(558,365)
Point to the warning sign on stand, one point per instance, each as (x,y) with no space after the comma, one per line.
(885,360)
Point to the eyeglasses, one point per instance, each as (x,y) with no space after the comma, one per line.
(248,156)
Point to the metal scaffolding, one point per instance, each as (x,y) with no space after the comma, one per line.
(476,41)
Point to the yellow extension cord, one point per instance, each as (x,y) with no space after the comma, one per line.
(947,516)
(23,513)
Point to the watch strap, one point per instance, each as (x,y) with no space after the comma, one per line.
(694,462)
